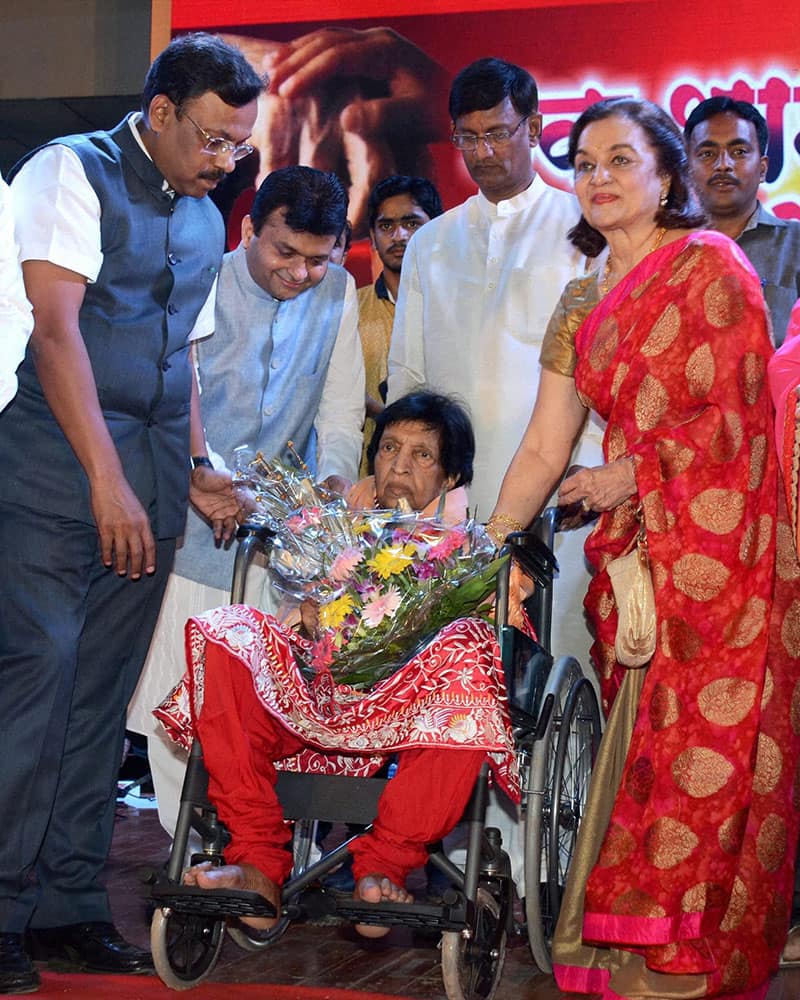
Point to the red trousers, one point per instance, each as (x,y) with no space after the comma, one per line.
(241,740)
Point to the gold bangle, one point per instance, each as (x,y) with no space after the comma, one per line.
(511,522)
(499,526)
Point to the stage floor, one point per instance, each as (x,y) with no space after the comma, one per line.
(324,956)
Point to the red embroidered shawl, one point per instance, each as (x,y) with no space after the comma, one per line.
(451,694)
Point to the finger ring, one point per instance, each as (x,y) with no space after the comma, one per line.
(585,504)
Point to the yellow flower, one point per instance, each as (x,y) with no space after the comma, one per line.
(333,614)
(392,559)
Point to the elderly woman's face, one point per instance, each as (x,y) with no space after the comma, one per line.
(408,465)
(616,175)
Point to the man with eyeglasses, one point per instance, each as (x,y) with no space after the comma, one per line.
(284,365)
(120,250)
(477,290)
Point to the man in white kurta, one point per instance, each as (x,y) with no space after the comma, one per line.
(476,292)
(477,289)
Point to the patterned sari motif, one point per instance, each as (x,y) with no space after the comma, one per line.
(695,872)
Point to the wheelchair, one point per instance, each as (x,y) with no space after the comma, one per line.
(556,726)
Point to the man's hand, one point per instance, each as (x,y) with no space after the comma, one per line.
(338,485)
(126,540)
(212,495)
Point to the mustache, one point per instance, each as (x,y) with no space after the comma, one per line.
(728,178)
(397,246)
(213,175)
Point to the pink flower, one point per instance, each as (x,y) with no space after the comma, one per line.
(343,565)
(452,540)
(380,607)
(425,571)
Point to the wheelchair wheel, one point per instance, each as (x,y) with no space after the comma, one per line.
(575,755)
(185,947)
(560,768)
(473,963)
(248,938)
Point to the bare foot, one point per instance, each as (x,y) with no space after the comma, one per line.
(244,876)
(791,950)
(378,889)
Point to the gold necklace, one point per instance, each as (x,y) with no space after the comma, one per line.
(604,282)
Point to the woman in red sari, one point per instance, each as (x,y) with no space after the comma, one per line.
(682,881)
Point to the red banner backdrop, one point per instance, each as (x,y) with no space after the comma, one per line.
(675,54)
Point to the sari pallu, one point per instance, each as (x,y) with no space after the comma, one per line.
(695,871)
(784,380)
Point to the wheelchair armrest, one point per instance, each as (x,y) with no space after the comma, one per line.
(533,556)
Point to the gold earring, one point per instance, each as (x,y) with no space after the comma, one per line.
(662,201)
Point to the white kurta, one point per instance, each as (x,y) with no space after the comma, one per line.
(477,289)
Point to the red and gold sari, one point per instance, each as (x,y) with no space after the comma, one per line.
(691,868)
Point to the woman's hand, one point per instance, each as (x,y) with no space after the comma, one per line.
(601,488)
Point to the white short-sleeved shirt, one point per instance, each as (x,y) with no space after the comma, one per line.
(16,317)
(58,217)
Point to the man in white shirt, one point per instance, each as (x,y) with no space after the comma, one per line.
(476,292)
(16,321)
(120,249)
(284,364)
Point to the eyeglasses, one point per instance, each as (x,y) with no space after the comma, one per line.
(217,146)
(497,137)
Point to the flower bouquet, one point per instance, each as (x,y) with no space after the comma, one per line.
(384,581)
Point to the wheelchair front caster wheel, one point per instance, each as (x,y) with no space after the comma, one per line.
(472,959)
(185,947)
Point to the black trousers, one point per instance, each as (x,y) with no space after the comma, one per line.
(73,639)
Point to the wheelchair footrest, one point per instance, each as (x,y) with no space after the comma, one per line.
(211,902)
(429,916)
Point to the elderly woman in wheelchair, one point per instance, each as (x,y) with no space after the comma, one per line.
(443,713)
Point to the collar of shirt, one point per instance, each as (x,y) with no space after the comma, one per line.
(511,206)
(761,217)
(381,290)
(133,124)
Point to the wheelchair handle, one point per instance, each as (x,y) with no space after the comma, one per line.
(253,537)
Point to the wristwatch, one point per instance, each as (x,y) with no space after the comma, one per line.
(197,460)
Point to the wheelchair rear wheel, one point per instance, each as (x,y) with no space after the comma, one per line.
(472,959)
(185,946)
(561,765)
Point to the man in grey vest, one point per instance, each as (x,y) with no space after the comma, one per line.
(284,364)
(120,250)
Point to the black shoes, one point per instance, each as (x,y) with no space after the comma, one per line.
(91,947)
(17,975)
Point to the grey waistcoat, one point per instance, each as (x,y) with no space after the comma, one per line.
(261,376)
(160,258)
